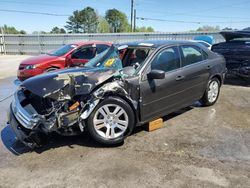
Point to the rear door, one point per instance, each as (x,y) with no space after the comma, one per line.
(195,67)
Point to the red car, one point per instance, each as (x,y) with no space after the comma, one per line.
(75,54)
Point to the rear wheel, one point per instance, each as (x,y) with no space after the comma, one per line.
(111,121)
(212,92)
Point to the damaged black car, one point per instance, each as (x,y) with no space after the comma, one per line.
(121,88)
(236,50)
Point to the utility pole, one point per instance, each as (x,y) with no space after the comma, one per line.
(134,20)
(132,16)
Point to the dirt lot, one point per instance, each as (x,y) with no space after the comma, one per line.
(197,147)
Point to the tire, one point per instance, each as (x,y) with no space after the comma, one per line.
(212,92)
(106,128)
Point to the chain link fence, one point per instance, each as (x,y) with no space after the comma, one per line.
(43,43)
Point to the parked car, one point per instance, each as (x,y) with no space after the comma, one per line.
(236,50)
(75,54)
(109,96)
(205,40)
(207,45)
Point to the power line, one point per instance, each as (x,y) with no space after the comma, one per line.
(182,21)
(200,10)
(37,13)
(193,15)
(163,20)
(204,10)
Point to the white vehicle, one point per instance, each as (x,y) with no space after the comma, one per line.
(206,44)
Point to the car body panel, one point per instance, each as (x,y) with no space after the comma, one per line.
(52,94)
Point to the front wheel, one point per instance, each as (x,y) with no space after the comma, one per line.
(111,121)
(212,93)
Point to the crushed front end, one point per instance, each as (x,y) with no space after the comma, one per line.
(61,101)
(32,117)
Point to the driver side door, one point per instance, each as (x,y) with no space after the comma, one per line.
(161,96)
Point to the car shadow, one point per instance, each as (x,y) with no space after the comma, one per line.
(55,141)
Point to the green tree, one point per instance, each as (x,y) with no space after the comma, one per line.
(12,30)
(39,32)
(145,29)
(103,26)
(57,30)
(83,21)
(117,20)
(208,28)
(22,32)
(90,20)
(74,23)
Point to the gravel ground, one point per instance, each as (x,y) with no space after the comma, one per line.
(197,147)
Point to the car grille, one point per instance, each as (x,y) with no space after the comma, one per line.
(25,118)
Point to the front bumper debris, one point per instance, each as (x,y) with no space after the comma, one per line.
(21,133)
(24,121)
(27,119)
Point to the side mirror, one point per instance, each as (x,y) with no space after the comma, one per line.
(156,74)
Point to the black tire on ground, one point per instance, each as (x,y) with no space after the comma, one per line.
(131,121)
(205,100)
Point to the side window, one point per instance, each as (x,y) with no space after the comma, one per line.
(191,54)
(166,60)
(84,53)
(101,48)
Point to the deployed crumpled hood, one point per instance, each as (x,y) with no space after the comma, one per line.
(229,35)
(64,84)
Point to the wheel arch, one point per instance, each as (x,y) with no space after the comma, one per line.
(218,77)
(53,66)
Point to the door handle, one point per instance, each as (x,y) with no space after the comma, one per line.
(178,78)
(208,67)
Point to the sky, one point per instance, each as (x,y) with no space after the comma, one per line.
(164,15)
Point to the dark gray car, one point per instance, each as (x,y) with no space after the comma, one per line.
(117,91)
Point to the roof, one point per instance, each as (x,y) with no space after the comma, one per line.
(81,43)
(155,43)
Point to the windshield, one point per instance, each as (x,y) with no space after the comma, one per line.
(109,58)
(63,50)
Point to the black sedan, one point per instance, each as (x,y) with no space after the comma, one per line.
(121,88)
(236,50)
